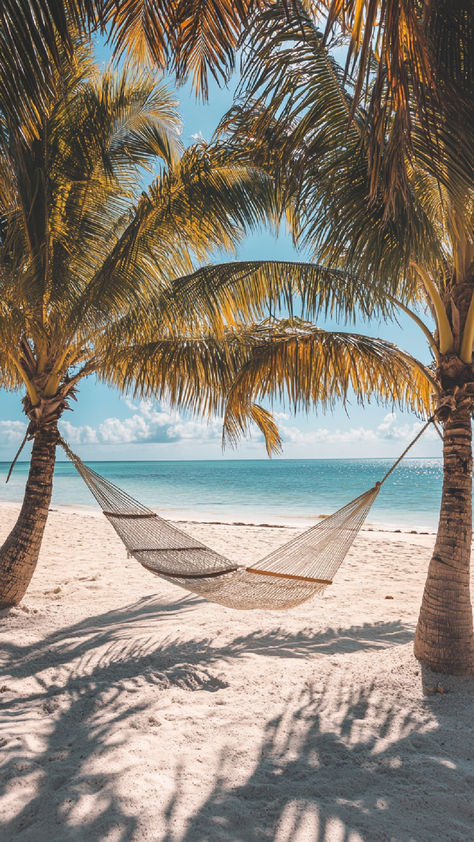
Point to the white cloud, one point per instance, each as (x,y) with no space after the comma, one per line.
(196,430)
(386,430)
(323,434)
(115,431)
(130,403)
(149,423)
(12,432)
(78,435)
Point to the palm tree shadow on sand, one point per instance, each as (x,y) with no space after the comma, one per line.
(340,764)
(84,686)
(79,689)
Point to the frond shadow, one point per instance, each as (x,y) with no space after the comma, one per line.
(340,763)
(83,686)
(332,641)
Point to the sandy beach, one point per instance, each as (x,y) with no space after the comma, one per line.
(134,712)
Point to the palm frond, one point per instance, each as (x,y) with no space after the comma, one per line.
(37,42)
(195,38)
(293,116)
(411,66)
(310,367)
(245,290)
(208,200)
(423,101)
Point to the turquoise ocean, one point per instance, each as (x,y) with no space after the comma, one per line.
(291,491)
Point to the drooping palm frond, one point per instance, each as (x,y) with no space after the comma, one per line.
(11,335)
(293,111)
(37,41)
(396,109)
(191,39)
(195,38)
(67,193)
(287,360)
(422,73)
(293,93)
(191,371)
(244,290)
(310,367)
(207,200)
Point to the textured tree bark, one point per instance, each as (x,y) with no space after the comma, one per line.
(19,554)
(444,635)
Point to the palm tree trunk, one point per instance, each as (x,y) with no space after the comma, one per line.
(19,554)
(444,635)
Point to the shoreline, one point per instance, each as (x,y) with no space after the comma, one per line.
(295,523)
(269,493)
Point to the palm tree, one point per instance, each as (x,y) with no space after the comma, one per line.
(85,257)
(295,109)
(98,276)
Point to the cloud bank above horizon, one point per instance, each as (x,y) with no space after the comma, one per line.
(152,424)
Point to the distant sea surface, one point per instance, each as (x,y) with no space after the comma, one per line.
(281,491)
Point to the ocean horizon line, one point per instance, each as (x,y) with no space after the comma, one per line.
(245,459)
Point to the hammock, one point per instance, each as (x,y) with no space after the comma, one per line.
(286,577)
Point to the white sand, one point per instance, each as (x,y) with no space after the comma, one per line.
(133,712)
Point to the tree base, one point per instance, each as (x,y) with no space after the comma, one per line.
(444,638)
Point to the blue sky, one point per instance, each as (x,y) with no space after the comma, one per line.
(108,425)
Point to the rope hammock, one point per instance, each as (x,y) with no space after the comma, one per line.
(286,577)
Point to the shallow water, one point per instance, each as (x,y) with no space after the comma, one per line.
(272,491)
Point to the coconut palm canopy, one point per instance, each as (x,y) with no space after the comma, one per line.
(404,57)
(292,111)
(189,39)
(86,253)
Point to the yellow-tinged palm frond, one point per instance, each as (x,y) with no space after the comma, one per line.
(409,59)
(311,367)
(287,360)
(297,106)
(218,296)
(245,290)
(192,39)
(37,42)
(11,335)
(196,38)
(397,109)
(207,200)
(87,264)
(68,195)
(207,36)
(193,371)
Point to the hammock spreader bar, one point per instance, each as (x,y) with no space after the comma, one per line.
(289,575)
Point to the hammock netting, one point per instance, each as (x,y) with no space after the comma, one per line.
(286,577)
